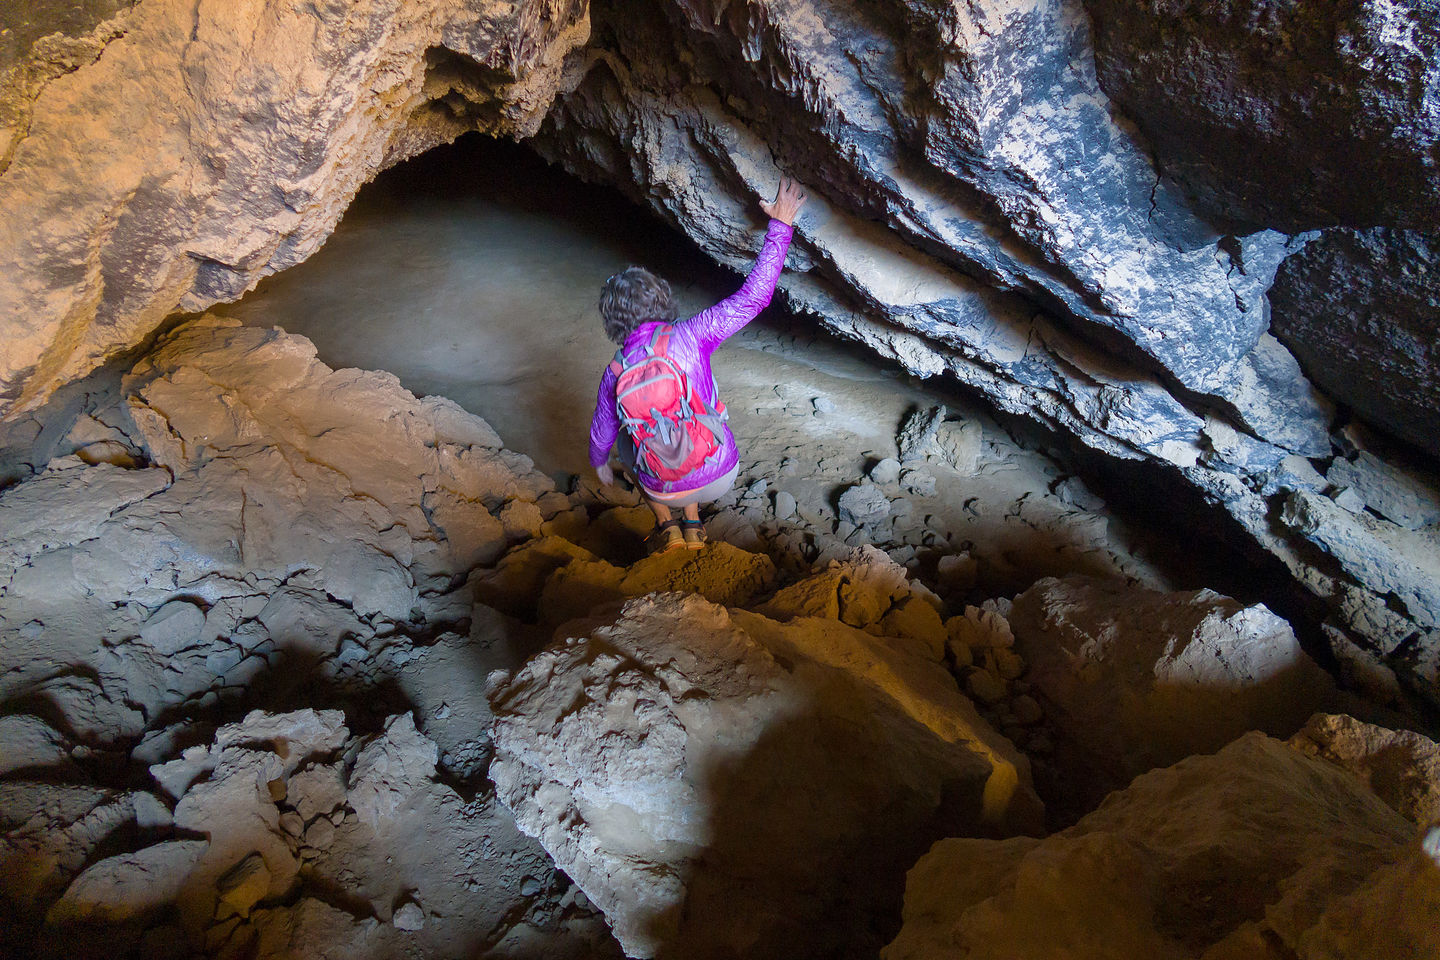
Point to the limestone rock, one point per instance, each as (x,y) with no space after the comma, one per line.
(203,152)
(390,769)
(129,886)
(1228,95)
(720,573)
(1402,767)
(646,754)
(27,741)
(864,504)
(409,917)
(277,470)
(1141,679)
(1256,851)
(244,885)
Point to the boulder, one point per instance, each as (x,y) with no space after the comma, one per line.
(1402,767)
(1138,678)
(1360,309)
(1256,851)
(647,755)
(1238,95)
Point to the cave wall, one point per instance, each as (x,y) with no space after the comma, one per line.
(981,208)
(178,152)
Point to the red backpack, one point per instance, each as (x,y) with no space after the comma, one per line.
(675,431)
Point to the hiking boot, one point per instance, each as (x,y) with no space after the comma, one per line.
(667,536)
(694,532)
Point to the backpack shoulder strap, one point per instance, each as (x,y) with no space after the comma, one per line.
(660,341)
(617,365)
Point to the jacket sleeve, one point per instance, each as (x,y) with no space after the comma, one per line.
(711,327)
(605,425)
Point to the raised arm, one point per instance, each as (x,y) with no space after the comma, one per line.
(712,326)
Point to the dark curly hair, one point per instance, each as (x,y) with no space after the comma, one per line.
(630,298)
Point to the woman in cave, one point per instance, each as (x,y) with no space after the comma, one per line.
(677,446)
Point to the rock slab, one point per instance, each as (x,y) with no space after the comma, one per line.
(721,784)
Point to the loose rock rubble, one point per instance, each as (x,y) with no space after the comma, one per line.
(267,693)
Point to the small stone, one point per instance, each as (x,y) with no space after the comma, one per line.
(277,790)
(320,834)
(784,505)
(529,887)
(244,884)
(1348,499)
(521,520)
(886,471)
(921,483)
(292,824)
(956,572)
(409,918)
(442,712)
(864,504)
(985,686)
(757,489)
(823,405)
(1008,663)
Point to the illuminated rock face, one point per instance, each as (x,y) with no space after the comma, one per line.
(1256,851)
(981,208)
(179,153)
(721,784)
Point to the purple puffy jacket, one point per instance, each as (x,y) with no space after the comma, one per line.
(691,345)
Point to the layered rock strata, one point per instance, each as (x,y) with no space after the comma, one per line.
(985,212)
(1361,311)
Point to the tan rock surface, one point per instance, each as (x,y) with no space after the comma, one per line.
(722,784)
(194,149)
(1257,851)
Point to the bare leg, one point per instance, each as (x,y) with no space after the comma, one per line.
(692,512)
(662,512)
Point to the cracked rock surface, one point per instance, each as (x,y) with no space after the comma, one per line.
(981,207)
(650,755)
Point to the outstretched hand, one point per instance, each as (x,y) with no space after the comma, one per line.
(787,203)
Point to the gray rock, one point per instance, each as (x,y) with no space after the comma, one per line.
(916,439)
(1227,95)
(1308,840)
(920,482)
(1142,678)
(1389,491)
(784,505)
(174,627)
(1361,312)
(887,471)
(864,504)
(409,917)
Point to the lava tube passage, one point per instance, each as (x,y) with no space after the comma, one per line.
(711,481)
